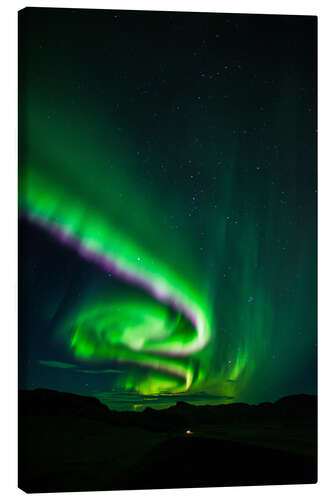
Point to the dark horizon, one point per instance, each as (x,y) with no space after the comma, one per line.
(261,444)
(161,402)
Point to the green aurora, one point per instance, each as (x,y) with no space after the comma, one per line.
(199,209)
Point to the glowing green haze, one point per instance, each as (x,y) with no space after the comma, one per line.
(147,334)
(123,332)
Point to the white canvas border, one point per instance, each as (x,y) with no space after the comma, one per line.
(8,247)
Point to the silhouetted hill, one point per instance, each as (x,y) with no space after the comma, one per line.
(48,402)
(75,443)
(302,404)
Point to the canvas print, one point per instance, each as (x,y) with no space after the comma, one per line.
(167,249)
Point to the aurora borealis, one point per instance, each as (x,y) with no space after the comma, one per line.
(167,198)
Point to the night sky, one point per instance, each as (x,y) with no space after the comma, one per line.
(168,206)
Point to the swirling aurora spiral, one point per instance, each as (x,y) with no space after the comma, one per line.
(160,334)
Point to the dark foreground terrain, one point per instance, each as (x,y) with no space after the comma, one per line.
(75,443)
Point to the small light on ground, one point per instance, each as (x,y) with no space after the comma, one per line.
(189,432)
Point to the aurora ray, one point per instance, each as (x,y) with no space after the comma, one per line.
(166,343)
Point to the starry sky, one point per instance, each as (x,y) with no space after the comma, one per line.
(168,206)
